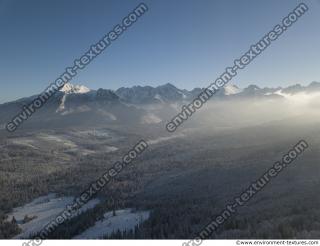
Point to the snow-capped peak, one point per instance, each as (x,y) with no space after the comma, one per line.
(231,90)
(69,88)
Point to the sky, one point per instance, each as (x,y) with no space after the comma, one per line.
(188,43)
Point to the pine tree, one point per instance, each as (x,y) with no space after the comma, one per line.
(13,221)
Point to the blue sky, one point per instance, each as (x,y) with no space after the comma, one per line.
(187,43)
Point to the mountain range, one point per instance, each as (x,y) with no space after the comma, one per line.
(138,104)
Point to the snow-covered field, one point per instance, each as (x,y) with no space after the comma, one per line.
(109,149)
(123,220)
(164,139)
(40,140)
(151,118)
(73,143)
(58,139)
(24,142)
(43,210)
(94,133)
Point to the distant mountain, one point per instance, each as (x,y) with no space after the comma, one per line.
(148,94)
(75,104)
(168,93)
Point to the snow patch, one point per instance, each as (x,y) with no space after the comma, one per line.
(158,97)
(24,142)
(184,96)
(151,118)
(107,114)
(57,139)
(62,104)
(42,210)
(175,106)
(231,90)
(109,149)
(80,109)
(123,220)
(164,139)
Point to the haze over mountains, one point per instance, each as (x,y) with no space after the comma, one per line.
(77,104)
(170,93)
(183,178)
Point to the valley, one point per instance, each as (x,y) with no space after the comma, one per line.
(173,189)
